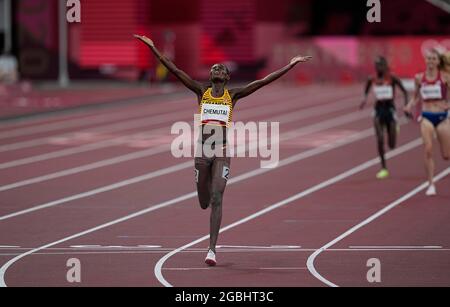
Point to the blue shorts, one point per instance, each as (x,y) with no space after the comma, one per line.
(435,117)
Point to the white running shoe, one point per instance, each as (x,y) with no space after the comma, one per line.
(211,258)
(431,191)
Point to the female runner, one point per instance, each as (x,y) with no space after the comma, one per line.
(383,85)
(216,103)
(432,87)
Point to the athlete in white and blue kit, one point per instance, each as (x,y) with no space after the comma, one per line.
(432,87)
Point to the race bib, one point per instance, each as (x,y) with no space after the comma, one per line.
(431,91)
(226,173)
(215,113)
(383,92)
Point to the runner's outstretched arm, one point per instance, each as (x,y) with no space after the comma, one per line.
(366,92)
(399,83)
(191,84)
(242,92)
(415,98)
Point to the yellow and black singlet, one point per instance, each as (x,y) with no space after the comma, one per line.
(217,111)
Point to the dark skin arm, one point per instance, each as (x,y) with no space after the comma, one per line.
(238,93)
(191,84)
(199,89)
(416,96)
(366,93)
(399,83)
(396,82)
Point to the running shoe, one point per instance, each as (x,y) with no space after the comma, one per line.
(431,191)
(211,258)
(383,174)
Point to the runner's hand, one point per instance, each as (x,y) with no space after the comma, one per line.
(145,39)
(407,109)
(300,59)
(408,115)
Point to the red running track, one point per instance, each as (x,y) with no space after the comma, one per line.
(129,213)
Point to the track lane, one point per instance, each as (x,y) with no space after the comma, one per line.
(177,215)
(81,182)
(131,232)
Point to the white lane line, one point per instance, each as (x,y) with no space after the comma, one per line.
(310,153)
(70,151)
(26,126)
(160,249)
(123,139)
(187,269)
(285,268)
(384,249)
(147,237)
(208,268)
(258,247)
(48,252)
(160,149)
(87,167)
(310,262)
(243,148)
(149,120)
(115,247)
(320,186)
(394,247)
(103,189)
(133,124)
(112,115)
(81,121)
(149,246)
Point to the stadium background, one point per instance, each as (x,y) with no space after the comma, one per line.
(253,36)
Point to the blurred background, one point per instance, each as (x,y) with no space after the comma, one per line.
(104,63)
